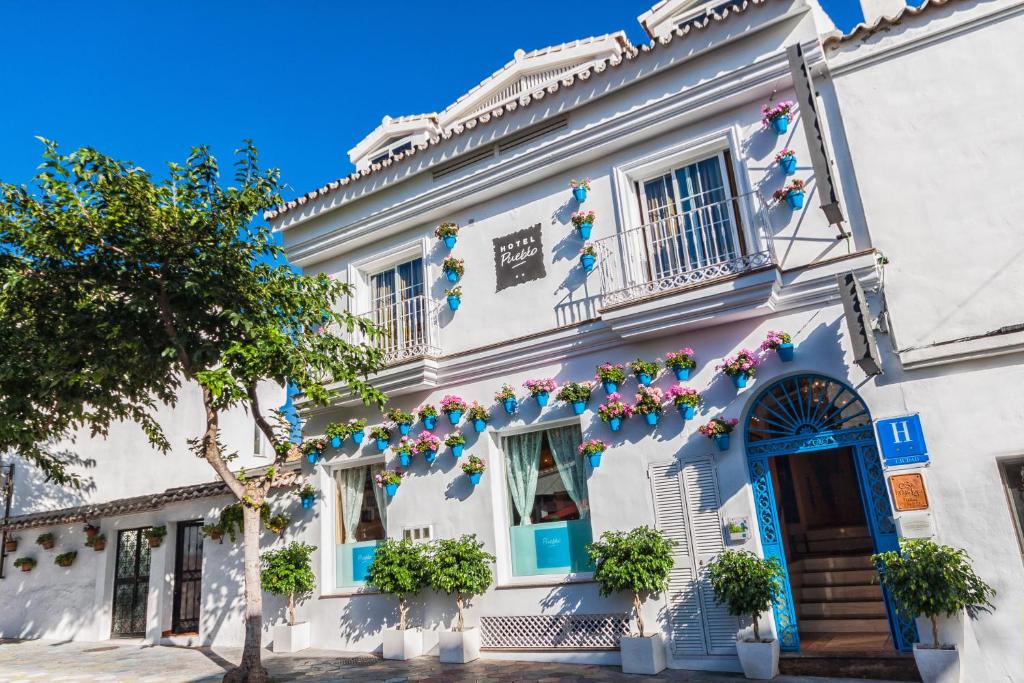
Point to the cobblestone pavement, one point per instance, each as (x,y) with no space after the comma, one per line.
(41,660)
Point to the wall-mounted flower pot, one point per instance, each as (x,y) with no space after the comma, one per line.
(760,661)
(510,405)
(26,568)
(382,445)
(579,194)
(405,459)
(542,398)
(357,437)
(402,644)
(454,417)
(11,546)
(479,425)
(788,164)
(795,200)
(48,545)
(449,241)
(457,450)
(313,457)
(474,478)
(430,455)
(615,423)
(595,459)
(584,230)
(404,428)
(307,502)
(740,380)
(588,261)
(644,378)
(682,374)
(291,638)
(336,441)
(722,441)
(451,275)
(155,542)
(454,302)
(780,124)
(652,418)
(610,387)
(429,422)
(687,411)
(458,647)
(578,407)
(98,546)
(785,352)
(391,489)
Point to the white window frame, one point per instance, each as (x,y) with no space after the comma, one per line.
(360,271)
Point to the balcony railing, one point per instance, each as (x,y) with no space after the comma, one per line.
(696,242)
(409,327)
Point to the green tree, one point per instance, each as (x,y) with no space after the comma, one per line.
(460,566)
(399,568)
(287,573)
(747,584)
(637,561)
(928,579)
(120,289)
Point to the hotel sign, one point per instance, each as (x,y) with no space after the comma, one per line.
(518,257)
(901,440)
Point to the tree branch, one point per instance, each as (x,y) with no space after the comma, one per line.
(211,451)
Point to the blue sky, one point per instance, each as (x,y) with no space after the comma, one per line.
(305,79)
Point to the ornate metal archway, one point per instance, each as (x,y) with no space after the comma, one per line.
(806,413)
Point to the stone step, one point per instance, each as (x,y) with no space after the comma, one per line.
(875,667)
(826,593)
(837,532)
(840,545)
(811,564)
(848,577)
(844,625)
(872,608)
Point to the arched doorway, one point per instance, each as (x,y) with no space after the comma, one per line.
(820,428)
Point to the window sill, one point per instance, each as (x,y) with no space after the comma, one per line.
(349,593)
(545,581)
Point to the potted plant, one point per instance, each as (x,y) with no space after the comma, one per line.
(447,233)
(685,399)
(645,370)
(575,393)
(155,535)
(457,443)
(313,449)
(778,115)
(214,532)
(929,580)
(741,368)
(781,343)
(580,187)
(592,450)
(588,257)
(637,562)
(355,427)
(786,159)
(66,559)
(649,403)
(793,194)
(611,376)
(46,540)
(97,542)
(614,411)
(11,544)
(479,416)
(287,573)
(748,586)
(507,397)
(90,530)
(584,222)
(390,480)
(399,568)
(336,431)
(276,524)
(453,407)
(474,467)
(540,389)
(382,435)
(428,415)
(427,444)
(454,268)
(404,449)
(401,419)
(459,567)
(454,296)
(680,363)
(718,429)
(307,494)
(25,564)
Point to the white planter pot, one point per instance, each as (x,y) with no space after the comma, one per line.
(402,644)
(459,647)
(760,661)
(937,666)
(642,655)
(291,638)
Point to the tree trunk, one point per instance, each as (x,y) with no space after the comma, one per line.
(458,603)
(251,670)
(757,634)
(401,613)
(291,609)
(638,608)
(935,631)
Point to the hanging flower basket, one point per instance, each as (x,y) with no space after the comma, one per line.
(453,268)
(614,411)
(681,363)
(428,416)
(11,544)
(474,467)
(777,116)
(718,430)
(685,399)
(427,444)
(649,403)
(588,258)
(336,431)
(355,428)
(307,494)
(447,233)
(584,222)
(580,186)
(313,449)
(155,535)
(611,376)
(593,450)
(97,543)
(67,559)
(454,297)
(781,343)
(25,564)
(453,407)
(390,480)
(576,394)
(540,389)
(382,435)
(47,541)
(793,194)
(786,159)
(645,370)
(457,443)
(741,368)
(507,397)
(405,449)
(400,419)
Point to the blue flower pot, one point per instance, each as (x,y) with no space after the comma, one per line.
(580,194)
(307,502)
(404,428)
(788,165)
(588,261)
(357,437)
(454,302)
(644,378)
(682,373)
(615,423)
(610,387)
(795,200)
(449,241)
(510,405)
(382,445)
(595,459)
(542,398)
(686,411)
(430,455)
(584,230)
(722,441)
(405,459)
(785,352)
(739,380)
(313,457)
(451,275)
(336,442)
(457,450)
(455,416)
(652,418)
(781,124)
(578,407)
(479,425)
(430,422)
(474,478)
(391,489)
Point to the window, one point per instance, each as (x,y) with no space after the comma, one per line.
(1012,472)
(399,306)
(361,522)
(404,147)
(548,501)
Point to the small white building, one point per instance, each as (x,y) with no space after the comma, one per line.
(892,314)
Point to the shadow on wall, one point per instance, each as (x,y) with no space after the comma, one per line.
(33,492)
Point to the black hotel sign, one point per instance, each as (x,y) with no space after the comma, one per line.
(518,257)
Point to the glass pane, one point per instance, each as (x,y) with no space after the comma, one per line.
(1013,475)
(354,556)
(705,208)
(552,502)
(370,526)
(127,543)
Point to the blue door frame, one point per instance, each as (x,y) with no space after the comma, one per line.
(813,413)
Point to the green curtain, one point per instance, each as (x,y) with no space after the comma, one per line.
(564,443)
(380,496)
(522,452)
(351,481)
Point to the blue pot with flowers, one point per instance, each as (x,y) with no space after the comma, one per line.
(740,368)
(588,258)
(454,296)
(644,370)
(474,468)
(447,233)
(453,407)
(685,399)
(786,160)
(307,494)
(580,186)
(780,342)
(792,194)
(584,222)
(453,268)
(777,116)
(592,450)
(358,436)
(313,449)
(718,429)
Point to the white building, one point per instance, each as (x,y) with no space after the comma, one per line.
(909,110)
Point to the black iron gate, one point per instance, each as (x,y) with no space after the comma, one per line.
(131,583)
(188,578)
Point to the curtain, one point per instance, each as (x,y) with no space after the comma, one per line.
(522,452)
(380,496)
(351,482)
(564,441)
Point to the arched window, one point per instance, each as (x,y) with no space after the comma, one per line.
(805,404)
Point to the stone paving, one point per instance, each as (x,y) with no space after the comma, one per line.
(41,660)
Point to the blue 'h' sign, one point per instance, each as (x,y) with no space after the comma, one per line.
(902,440)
